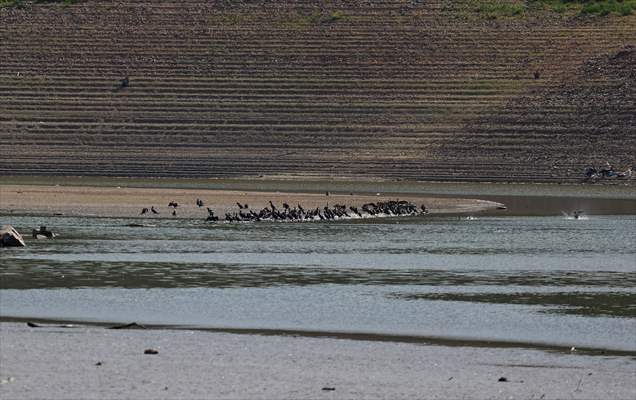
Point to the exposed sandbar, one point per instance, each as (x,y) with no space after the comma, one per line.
(128,202)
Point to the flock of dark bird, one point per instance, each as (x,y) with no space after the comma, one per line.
(299,214)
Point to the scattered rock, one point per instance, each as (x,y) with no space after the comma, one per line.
(33,325)
(151,351)
(503,379)
(329,388)
(9,237)
(98,363)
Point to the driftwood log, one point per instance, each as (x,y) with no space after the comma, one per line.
(9,237)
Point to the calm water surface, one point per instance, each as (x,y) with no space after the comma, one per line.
(523,279)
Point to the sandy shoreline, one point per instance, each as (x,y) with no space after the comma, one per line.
(128,202)
(93,362)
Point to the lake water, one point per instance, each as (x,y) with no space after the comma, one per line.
(547,280)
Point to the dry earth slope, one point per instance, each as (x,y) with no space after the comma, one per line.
(377,89)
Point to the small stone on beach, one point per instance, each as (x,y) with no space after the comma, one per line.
(151,351)
(329,388)
(503,379)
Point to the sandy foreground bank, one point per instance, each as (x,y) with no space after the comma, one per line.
(93,362)
(128,202)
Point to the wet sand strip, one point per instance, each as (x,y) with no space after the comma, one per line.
(357,336)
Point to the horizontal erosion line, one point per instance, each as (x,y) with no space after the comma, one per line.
(266,31)
(271,30)
(238,71)
(250,80)
(17,104)
(500,131)
(392,169)
(434,161)
(584,134)
(239,116)
(11,83)
(289,70)
(122,113)
(203,124)
(23,85)
(335,127)
(353,74)
(90,79)
(406,63)
(503,51)
(131,163)
(306,99)
(226,169)
(518,165)
(253,91)
(14,107)
(431,175)
(419,42)
(525,167)
(376,146)
(390,124)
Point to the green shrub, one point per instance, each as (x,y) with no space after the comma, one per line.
(336,16)
(493,9)
(303,21)
(594,7)
(10,3)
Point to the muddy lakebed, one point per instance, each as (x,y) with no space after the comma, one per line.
(541,280)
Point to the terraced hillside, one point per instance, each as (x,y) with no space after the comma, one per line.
(379,89)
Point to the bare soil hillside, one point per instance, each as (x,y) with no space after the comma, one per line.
(385,89)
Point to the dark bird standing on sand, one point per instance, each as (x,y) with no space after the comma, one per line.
(153,210)
(173,204)
(199,202)
(144,210)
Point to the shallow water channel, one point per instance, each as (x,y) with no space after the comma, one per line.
(546,280)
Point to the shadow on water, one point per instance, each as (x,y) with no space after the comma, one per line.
(590,304)
(31,274)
